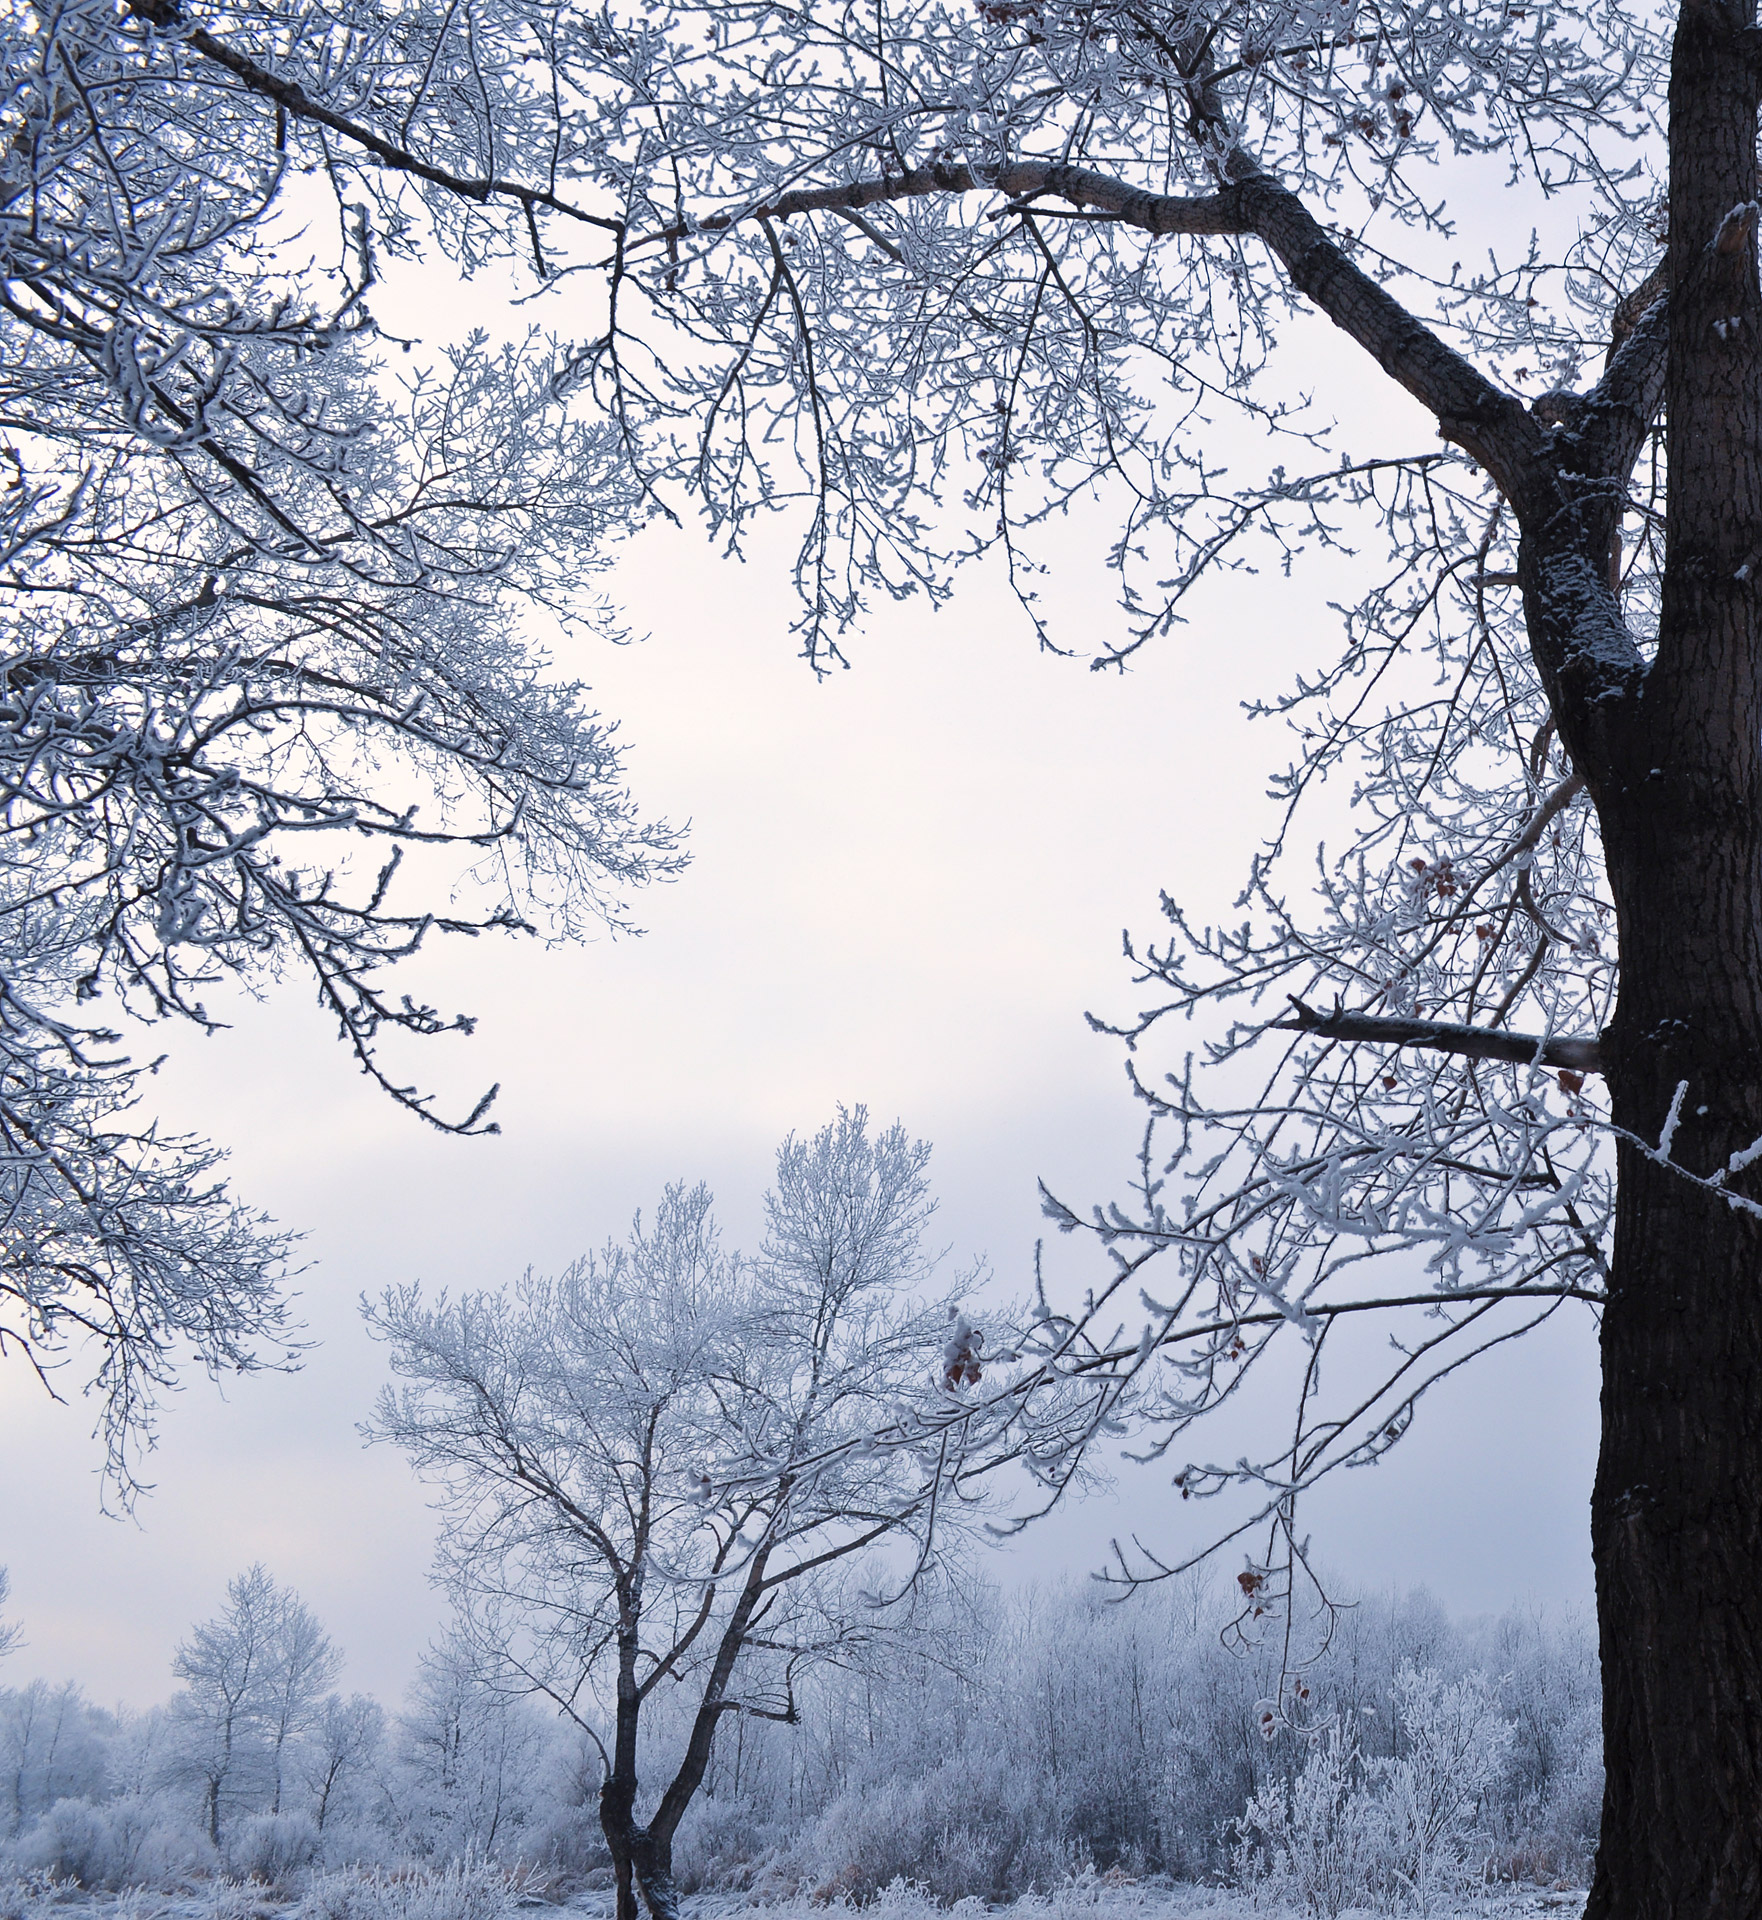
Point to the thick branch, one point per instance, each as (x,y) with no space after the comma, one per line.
(1577,1055)
(1470,409)
(1607,427)
(1488,423)
(1022,180)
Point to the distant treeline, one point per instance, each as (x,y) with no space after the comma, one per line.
(988,1746)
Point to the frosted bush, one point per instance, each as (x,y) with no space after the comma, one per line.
(271,1847)
(1088,1895)
(24,1896)
(130,1842)
(468,1889)
(72,1841)
(724,1844)
(1552,1836)
(1456,1741)
(972,1826)
(1320,1841)
(354,1843)
(1393,1835)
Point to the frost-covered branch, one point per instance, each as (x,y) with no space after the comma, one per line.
(267,664)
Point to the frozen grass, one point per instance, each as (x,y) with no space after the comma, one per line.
(1091,1897)
(474,1892)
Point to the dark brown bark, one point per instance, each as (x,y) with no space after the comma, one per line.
(642,1856)
(642,1860)
(1676,1515)
(1578,1053)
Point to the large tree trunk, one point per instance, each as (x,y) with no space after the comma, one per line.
(652,1856)
(616,1800)
(1676,1516)
(642,1861)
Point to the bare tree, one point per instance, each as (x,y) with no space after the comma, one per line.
(469,1754)
(654,1469)
(49,1750)
(222,1665)
(304,1662)
(346,1737)
(264,605)
(254,1677)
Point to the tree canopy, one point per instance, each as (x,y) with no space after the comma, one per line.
(679,1471)
(269,632)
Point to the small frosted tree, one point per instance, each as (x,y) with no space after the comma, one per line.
(654,1469)
(1399,1833)
(50,1750)
(346,1738)
(1320,1837)
(254,1677)
(468,1756)
(1455,1743)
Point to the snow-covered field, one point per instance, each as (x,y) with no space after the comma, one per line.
(476,1895)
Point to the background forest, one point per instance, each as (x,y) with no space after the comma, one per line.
(1000,1744)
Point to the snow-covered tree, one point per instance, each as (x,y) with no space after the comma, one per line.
(268,611)
(934,273)
(468,1760)
(346,1739)
(1401,1834)
(51,1748)
(657,1473)
(255,1677)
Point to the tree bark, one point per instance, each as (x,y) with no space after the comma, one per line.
(642,1859)
(1676,1515)
(617,1823)
(652,1856)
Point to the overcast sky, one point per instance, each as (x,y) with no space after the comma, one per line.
(908,885)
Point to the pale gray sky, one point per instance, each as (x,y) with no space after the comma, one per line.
(909,883)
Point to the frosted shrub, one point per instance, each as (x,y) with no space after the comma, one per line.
(1321,1840)
(1394,1835)
(72,1841)
(468,1889)
(272,1847)
(1089,1895)
(972,1826)
(724,1844)
(1456,1741)
(1550,1836)
(1567,1840)
(25,1896)
(354,1843)
(130,1842)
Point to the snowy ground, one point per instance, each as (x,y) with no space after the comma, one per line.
(1100,1901)
(410,1899)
